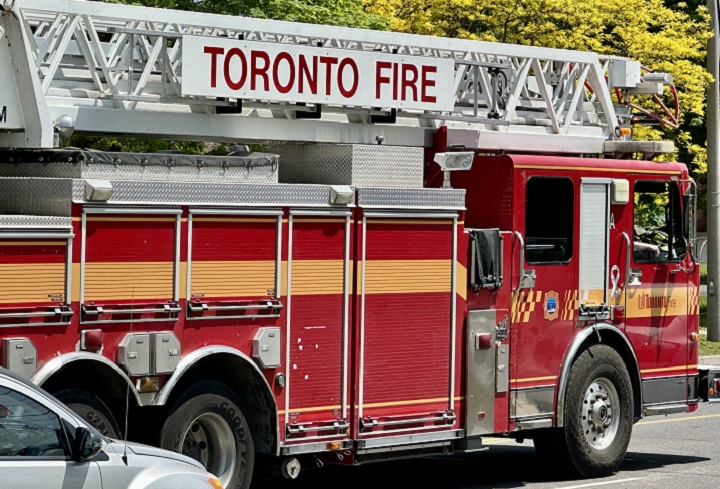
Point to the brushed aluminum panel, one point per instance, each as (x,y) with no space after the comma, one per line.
(405,198)
(535,401)
(167,353)
(134,353)
(664,391)
(19,356)
(359,165)
(480,412)
(503,368)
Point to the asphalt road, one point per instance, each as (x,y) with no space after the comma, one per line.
(680,451)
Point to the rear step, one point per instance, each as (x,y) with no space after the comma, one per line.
(410,451)
(665,409)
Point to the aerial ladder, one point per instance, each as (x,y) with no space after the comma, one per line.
(91,68)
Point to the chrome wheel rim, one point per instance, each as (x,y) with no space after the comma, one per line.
(600,414)
(209,440)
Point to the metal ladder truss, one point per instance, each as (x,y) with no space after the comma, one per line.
(103,64)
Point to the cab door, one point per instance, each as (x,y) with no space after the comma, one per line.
(544,301)
(657,290)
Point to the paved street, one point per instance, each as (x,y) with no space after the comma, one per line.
(681,451)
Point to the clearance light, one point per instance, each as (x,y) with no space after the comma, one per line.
(335,445)
(342,194)
(98,190)
(625,131)
(148,384)
(460,161)
(694,337)
(214,483)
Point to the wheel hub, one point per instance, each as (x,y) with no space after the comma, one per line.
(209,440)
(599,418)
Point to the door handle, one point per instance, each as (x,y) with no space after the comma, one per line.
(526,278)
(633,276)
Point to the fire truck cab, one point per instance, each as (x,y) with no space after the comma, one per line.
(376,269)
(587,253)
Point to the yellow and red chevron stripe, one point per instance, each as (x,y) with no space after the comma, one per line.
(570,304)
(693,301)
(523,303)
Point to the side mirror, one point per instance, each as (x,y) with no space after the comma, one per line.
(86,445)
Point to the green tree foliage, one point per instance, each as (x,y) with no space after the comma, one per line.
(665,35)
(349,13)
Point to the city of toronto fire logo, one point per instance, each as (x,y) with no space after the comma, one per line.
(551,305)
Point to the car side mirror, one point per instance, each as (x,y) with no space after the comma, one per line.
(87,446)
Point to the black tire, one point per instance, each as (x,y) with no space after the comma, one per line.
(572,448)
(92,409)
(206,409)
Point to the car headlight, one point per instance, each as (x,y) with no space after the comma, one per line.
(215,483)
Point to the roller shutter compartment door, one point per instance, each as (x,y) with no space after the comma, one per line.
(233,265)
(317,404)
(33,281)
(129,264)
(406,323)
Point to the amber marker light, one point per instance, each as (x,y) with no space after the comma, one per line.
(148,384)
(694,336)
(216,484)
(625,131)
(334,445)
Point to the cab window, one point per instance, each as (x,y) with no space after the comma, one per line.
(29,429)
(657,223)
(549,220)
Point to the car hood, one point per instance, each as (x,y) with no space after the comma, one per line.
(148,451)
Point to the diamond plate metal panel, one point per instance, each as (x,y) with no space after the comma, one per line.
(256,168)
(35,222)
(36,196)
(388,166)
(425,199)
(172,193)
(357,165)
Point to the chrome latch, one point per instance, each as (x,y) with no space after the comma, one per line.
(527,281)
(634,277)
(501,330)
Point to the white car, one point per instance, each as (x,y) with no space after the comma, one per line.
(45,445)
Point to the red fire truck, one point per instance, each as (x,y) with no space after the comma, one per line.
(441,240)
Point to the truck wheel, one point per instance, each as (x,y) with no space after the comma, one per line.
(90,408)
(207,425)
(598,414)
